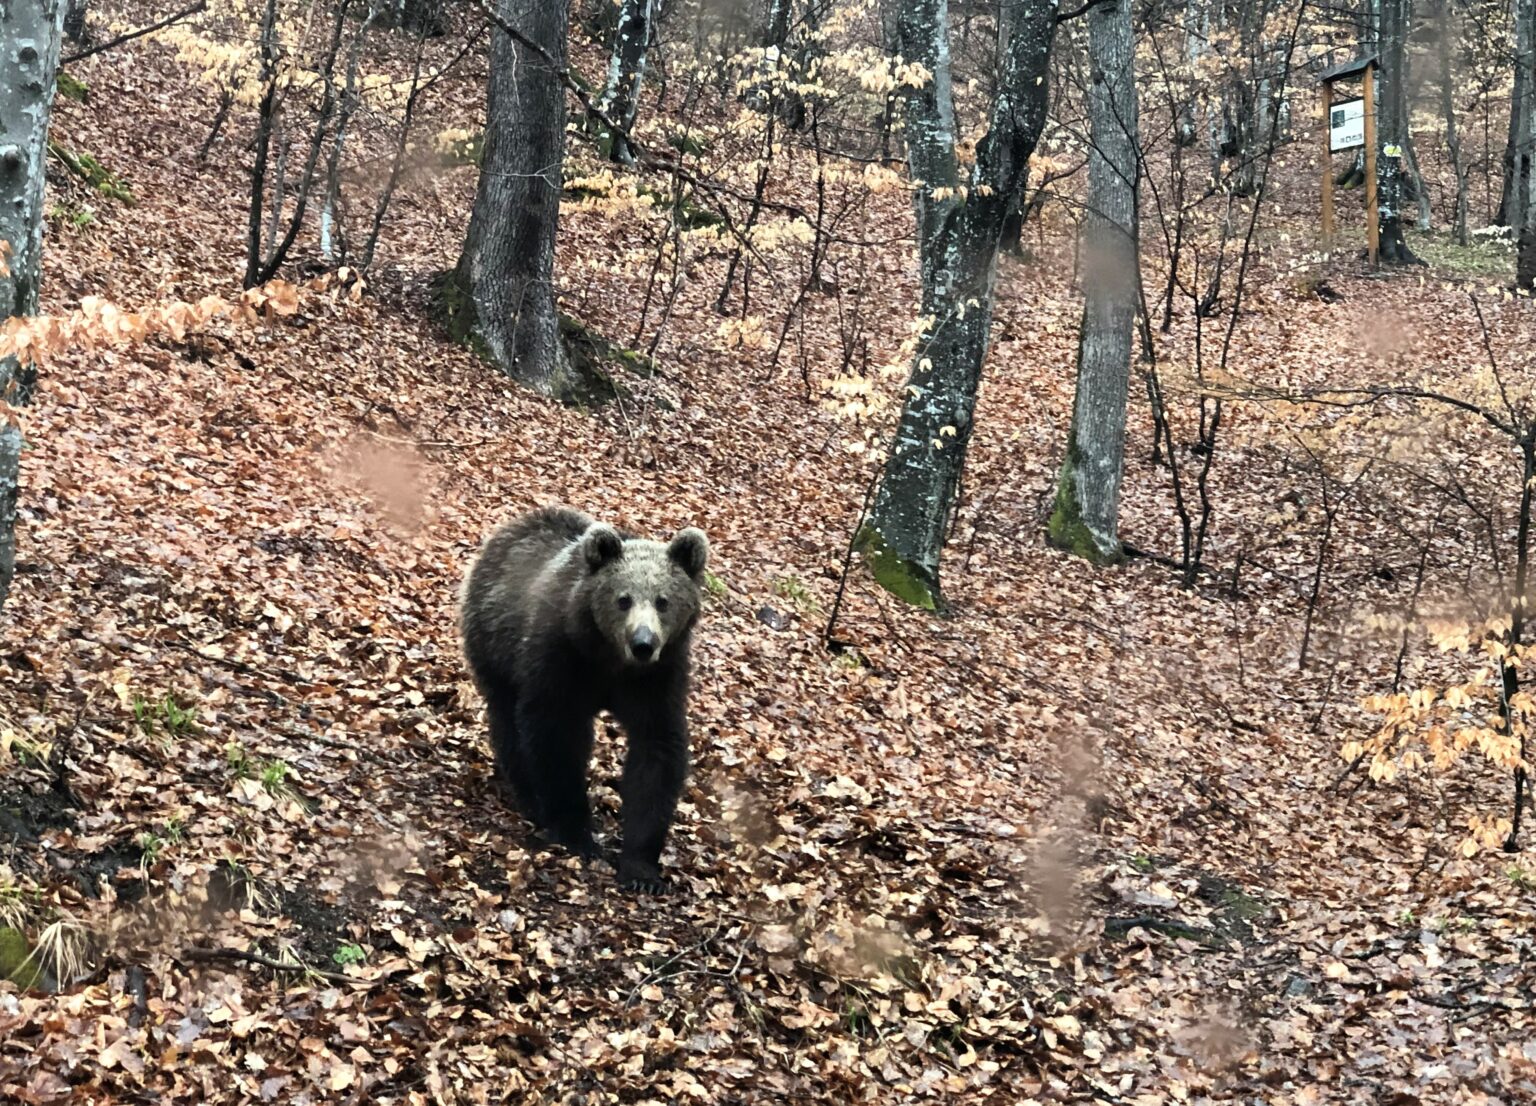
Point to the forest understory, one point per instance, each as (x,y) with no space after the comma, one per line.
(1088,836)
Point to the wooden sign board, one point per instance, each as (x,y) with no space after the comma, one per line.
(1346,125)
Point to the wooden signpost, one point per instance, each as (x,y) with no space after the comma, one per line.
(1349,125)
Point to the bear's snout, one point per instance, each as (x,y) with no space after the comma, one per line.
(642,643)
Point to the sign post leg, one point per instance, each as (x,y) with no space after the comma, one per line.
(1327,167)
(1372,216)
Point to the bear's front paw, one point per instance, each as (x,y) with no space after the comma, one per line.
(642,877)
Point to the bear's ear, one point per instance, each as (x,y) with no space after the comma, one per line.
(600,545)
(689,550)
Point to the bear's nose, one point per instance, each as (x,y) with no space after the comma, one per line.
(642,643)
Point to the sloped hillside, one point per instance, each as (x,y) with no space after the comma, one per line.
(1078,840)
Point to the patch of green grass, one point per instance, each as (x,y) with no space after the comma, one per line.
(714,585)
(848,660)
(151,845)
(1520,877)
(71,87)
(1481,259)
(794,589)
(1142,862)
(349,954)
(166,712)
(238,759)
(274,776)
(78,216)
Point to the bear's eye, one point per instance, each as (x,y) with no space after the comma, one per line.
(625,602)
(661,602)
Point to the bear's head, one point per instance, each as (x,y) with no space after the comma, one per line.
(642,595)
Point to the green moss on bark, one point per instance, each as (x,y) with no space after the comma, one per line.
(455,309)
(1066,529)
(906,581)
(16,960)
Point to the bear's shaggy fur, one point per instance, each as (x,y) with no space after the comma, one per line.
(563,617)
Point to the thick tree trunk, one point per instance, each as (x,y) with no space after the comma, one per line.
(626,68)
(959,223)
(1086,516)
(502,294)
(31,32)
(1392,133)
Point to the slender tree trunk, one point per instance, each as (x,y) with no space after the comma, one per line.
(1197,34)
(1517,156)
(1523,190)
(74,20)
(502,294)
(1392,133)
(31,32)
(1452,135)
(959,223)
(626,68)
(1086,516)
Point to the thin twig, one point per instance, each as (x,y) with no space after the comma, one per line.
(209,956)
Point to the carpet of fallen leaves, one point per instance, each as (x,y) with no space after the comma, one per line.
(1080,840)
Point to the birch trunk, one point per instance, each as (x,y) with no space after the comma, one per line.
(1085,519)
(502,296)
(31,32)
(959,224)
(626,67)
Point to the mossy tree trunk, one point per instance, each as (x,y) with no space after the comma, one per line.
(31,32)
(502,292)
(959,224)
(626,68)
(1086,518)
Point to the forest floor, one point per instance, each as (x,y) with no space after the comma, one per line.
(1087,837)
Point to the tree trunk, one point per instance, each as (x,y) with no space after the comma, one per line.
(501,297)
(1197,36)
(1523,191)
(626,67)
(1392,134)
(420,17)
(1452,135)
(1517,155)
(1086,516)
(959,223)
(74,20)
(31,33)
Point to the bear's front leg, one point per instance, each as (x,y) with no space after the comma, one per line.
(655,765)
(557,743)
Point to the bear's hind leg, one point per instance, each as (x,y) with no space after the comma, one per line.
(513,769)
(557,746)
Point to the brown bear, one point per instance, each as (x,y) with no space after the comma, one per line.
(563,617)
